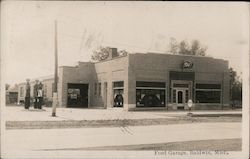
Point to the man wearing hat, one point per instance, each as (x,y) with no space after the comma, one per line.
(35,94)
(27,95)
(40,95)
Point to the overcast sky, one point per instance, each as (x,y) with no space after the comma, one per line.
(28,31)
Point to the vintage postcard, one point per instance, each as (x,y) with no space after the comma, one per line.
(102,79)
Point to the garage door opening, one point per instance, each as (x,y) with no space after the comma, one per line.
(77,95)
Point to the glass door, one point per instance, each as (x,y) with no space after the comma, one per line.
(181,95)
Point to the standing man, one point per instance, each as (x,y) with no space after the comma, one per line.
(35,95)
(40,95)
(27,95)
(119,100)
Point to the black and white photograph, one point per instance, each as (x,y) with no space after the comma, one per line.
(124,79)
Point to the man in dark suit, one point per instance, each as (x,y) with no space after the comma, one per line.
(27,95)
(35,94)
(40,95)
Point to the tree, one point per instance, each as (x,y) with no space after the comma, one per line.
(122,53)
(173,46)
(7,86)
(197,49)
(184,48)
(102,53)
(235,88)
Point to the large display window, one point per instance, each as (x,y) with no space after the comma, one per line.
(208,96)
(208,93)
(150,94)
(150,98)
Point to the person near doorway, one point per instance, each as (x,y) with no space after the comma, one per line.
(27,95)
(35,94)
(119,100)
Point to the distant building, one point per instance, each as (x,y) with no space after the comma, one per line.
(12,95)
(145,81)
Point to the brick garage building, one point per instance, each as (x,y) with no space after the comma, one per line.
(146,81)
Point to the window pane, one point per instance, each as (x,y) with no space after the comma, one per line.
(150,98)
(208,96)
(118,84)
(95,92)
(174,96)
(150,84)
(100,88)
(208,86)
(186,96)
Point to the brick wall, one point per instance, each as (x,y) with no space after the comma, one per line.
(156,67)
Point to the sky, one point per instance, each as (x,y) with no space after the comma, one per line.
(27,31)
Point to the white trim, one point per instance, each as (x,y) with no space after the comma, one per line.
(118,88)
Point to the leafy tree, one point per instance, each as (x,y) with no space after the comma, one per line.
(174,48)
(122,53)
(235,88)
(7,86)
(197,49)
(184,48)
(102,53)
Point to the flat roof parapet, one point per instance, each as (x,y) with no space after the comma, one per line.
(167,54)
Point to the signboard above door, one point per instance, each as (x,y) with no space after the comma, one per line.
(187,65)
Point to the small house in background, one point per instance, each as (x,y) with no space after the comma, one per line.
(12,95)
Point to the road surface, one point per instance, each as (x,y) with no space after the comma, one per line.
(45,143)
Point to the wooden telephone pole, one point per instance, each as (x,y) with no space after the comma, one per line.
(55,95)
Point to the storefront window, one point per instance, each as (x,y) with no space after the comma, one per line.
(208,96)
(150,98)
(208,93)
(150,94)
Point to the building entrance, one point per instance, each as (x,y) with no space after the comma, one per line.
(118,90)
(181,92)
(77,95)
(181,98)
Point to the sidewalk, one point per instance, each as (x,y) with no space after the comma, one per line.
(18,113)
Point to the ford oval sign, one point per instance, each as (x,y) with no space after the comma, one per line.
(187,64)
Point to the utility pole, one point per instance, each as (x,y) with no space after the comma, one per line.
(55,95)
